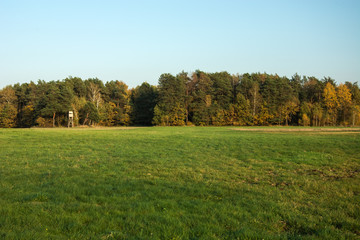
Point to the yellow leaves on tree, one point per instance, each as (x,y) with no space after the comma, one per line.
(344,96)
(356,115)
(208,100)
(336,100)
(7,107)
(331,102)
(330,97)
(344,101)
(305,120)
(7,95)
(288,109)
(262,117)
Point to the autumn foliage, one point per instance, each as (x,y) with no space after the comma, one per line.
(198,98)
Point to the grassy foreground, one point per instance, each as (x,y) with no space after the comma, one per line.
(179,183)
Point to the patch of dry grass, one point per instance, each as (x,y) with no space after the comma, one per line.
(317,130)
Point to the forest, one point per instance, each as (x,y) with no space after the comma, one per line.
(197,98)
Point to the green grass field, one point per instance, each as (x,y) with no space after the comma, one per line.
(179,183)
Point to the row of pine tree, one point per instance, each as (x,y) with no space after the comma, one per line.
(198,98)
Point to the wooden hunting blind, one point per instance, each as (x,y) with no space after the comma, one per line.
(71,119)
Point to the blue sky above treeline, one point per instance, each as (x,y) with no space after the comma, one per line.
(136,41)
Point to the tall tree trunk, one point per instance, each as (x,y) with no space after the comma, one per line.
(353,119)
(279,119)
(54,120)
(254,104)
(86,119)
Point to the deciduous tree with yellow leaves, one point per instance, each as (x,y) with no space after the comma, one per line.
(344,102)
(331,102)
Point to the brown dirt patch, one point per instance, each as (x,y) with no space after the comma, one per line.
(310,130)
(87,128)
(105,128)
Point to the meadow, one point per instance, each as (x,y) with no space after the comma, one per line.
(180,183)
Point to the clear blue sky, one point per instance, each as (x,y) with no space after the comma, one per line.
(136,41)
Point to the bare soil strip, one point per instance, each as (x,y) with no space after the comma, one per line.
(89,128)
(285,129)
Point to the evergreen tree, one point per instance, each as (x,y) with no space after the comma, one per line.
(143,100)
(170,107)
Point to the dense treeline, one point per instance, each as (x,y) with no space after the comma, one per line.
(185,99)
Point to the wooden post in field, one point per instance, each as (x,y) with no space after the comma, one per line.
(71,119)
